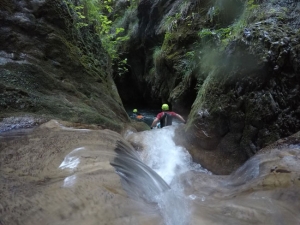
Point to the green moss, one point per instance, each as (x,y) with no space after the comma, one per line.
(158,57)
(90,117)
(205,33)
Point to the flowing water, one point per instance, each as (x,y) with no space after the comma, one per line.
(59,175)
(257,193)
(166,162)
(153,174)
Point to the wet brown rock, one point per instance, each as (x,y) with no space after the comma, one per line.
(264,190)
(55,174)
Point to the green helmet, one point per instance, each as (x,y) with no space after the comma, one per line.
(135,111)
(165,107)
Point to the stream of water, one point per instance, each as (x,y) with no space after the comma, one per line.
(61,175)
(187,194)
(156,178)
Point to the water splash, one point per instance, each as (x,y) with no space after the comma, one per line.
(139,180)
(152,175)
(71,161)
(164,156)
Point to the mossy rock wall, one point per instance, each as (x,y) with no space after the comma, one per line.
(231,67)
(49,67)
(251,98)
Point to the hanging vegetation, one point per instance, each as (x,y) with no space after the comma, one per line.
(102,16)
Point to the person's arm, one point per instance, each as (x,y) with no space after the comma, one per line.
(180,117)
(155,121)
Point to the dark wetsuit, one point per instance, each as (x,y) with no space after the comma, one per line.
(165,118)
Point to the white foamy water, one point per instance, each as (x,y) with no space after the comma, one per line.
(164,156)
(169,161)
(71,160)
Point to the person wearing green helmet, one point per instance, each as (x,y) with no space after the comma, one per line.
(165,117)
(137,115)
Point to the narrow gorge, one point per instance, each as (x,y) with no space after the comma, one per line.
(71,69)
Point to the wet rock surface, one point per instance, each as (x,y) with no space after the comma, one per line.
(60,174)
(47,71)
(55,174)
(237,81)
(236,61)
(251,89)
(253,104)
(16,123)
(265,190)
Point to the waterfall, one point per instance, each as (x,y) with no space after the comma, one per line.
(152,174)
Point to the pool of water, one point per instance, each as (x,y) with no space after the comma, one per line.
(149,115)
